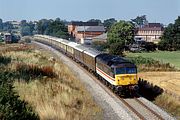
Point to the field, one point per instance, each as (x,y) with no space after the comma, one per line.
(48,85)
(167,80)
(163,56)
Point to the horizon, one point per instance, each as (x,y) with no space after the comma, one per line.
(155,11)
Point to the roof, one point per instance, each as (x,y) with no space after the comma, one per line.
(80,48)
(90,29)
(72,44)
(112,60)
(152,27)
(7,34)
(84,23)
(91,52)
(65,42)
(102,36)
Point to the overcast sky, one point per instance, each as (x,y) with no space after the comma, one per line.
(164,11)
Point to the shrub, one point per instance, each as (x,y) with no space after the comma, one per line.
(4,60)
(31,71)
(116,48)
(149,64)
(11,107)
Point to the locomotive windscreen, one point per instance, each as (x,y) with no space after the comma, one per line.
(125,70)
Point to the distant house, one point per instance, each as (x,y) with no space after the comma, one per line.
(72,25)
(82,31)
(7,37)
(88,32)
(15,24)
(151,32)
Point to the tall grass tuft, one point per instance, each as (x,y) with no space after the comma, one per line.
(31,71)
(168,103)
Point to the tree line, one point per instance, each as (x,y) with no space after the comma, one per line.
(120,33)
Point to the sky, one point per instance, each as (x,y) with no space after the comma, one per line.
(163,11)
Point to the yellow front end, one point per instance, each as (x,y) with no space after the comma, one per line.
(126,79)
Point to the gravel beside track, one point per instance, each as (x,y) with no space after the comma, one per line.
(158,110)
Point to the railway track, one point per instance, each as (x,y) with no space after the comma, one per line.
(133,105)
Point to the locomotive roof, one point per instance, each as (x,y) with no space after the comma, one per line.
(112,60)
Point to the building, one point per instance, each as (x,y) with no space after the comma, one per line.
(87,32)
(83,31)
(72,25)
(7,37)
(15,24)
(151,32)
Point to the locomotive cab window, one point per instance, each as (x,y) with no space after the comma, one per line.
(112,73)
(125,71)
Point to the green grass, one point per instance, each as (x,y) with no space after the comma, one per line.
(163,56)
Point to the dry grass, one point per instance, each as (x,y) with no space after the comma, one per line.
(62,97)
(168,103)
(167,80)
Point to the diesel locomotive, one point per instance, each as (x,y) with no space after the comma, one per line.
(116,72)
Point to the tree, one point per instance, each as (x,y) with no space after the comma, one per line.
(1,24)
(42,25)
(95,20)
(121,33)
(7,26)
(27,28)
(170,39)
(116,48)
(140,21)
(109,22)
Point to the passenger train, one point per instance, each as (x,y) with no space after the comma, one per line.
(117,73)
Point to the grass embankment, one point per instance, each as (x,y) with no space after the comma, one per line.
(50,87)
(163,56)
(169,104)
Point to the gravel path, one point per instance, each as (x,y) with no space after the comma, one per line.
(112,107)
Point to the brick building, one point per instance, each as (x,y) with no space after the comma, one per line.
(85,30)
(151,32)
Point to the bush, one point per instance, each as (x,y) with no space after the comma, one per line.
(11,107)
(31,71)
(149,64)
(116,49)
(4,60)
(150,46)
